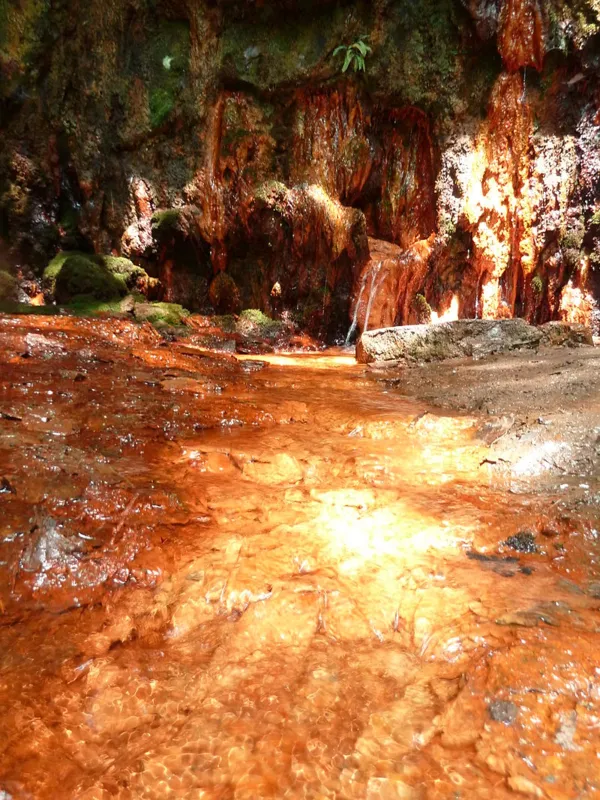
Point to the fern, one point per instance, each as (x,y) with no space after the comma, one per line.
(354,55)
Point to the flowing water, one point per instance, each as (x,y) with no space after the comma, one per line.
(275,578)
(352,329)
(372,293)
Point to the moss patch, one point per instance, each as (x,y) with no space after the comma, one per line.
(8,307)
(8,286)
(89,306)
(274,49)
(255,322)
(163,64)
(161,314)
(71,274)
(165,221)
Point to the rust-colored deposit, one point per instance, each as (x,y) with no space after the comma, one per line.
(268,578)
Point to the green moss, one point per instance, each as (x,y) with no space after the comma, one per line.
(422,57)
(8,307)
(71,274)
(51,273)
(447,226)
(255,316)
(571,241)
(88,306)
(537,285)
(164,64)
(83,276)
(123,267)
(161,314)
(226,322)
(422,308)
(161,104)
(164,221)
(21,26)
(252,321)
(8,286)
(271,49)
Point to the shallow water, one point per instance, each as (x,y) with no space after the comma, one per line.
(272,577)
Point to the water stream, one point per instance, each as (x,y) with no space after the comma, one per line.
(352,328)
(372,293)
(274,578)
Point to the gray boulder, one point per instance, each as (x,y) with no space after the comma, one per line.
(469,337)
(566,334)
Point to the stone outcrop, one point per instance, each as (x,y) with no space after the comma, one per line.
(473,338)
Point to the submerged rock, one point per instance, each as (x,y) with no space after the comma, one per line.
(477,338)
(503,711)
(48,548)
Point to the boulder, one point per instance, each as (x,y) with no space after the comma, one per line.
(569,334)
(73,274)
(474,337)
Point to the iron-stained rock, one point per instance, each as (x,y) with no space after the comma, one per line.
(477,338)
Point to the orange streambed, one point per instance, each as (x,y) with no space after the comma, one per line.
(272,578)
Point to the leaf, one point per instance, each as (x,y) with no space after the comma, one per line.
(348,60)
(361,47)
(339,49)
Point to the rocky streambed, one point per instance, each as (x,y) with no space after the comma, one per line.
(294,575)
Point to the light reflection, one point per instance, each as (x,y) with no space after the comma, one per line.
(450,315)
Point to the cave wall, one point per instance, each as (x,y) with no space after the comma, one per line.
(459,176)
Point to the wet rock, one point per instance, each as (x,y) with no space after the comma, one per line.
(503,711)
(8,286)
(6,487)
(506,566)
(475,338)
(74,274)
(594,589)
(523,542)
(48,548)
(224,294)
(160,314)
(307,242)
(565,735)
(387,285)
(523,785)
(570,334)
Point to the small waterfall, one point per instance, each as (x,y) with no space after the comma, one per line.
(477,296)
(356,308)
(372,293)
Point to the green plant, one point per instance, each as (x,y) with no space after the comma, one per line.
(537,285)
(422,308)
(355,55)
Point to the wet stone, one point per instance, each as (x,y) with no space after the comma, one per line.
(594,589)
(48,548)
(6,487)
(523,542)
(503,711)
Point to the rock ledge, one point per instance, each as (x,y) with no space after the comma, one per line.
(471,337)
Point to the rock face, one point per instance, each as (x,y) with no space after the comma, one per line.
(477,338)
(569,334)
(213,136)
